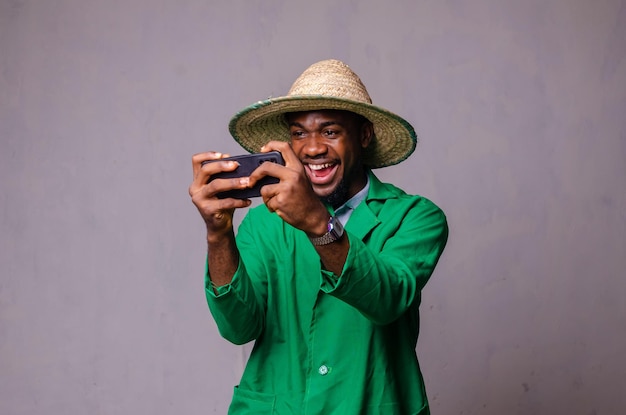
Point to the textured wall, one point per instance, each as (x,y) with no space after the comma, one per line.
(520,107)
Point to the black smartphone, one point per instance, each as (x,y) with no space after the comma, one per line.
(247,164)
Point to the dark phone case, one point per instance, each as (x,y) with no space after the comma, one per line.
(247,164)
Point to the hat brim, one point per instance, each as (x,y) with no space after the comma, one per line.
(394,141)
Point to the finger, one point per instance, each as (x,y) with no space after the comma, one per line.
(198,159)
(269,191)
(232,203)
(211,206)
(202,173)
(285,149)
(214,187)
(268,169)
(269,203)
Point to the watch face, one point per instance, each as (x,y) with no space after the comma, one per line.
(335,228)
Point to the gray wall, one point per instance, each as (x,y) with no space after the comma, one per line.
(520,107)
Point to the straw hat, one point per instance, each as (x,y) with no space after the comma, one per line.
(326,85)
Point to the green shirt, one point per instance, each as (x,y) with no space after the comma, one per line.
(327,344)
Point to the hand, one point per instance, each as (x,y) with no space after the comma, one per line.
(293,198)
(217,213)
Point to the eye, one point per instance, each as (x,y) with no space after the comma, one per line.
(297,133)
(330,133)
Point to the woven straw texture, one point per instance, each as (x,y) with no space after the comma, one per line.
(329,84)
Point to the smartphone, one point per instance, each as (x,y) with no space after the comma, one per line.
(247,164)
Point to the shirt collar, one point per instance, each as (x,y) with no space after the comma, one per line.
(344,211)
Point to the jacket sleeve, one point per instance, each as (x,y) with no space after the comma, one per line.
(239,307)
(385,272)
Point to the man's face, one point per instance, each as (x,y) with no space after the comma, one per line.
(329,144)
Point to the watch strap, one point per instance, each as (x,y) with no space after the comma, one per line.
(335,232)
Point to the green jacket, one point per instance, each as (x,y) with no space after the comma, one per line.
(329,344)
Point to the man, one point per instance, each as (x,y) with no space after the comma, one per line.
(325,276)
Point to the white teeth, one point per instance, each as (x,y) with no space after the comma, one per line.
(320,166)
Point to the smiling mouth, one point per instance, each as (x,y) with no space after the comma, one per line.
(321,173)
(320,167)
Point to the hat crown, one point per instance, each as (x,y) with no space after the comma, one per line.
(330,78)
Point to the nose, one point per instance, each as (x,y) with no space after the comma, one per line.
(314,146)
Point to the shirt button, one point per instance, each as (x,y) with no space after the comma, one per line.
(323,370)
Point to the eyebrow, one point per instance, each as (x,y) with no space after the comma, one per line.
(322,125)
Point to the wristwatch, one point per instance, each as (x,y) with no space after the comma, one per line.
(335,232)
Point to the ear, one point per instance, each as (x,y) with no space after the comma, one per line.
(367,132)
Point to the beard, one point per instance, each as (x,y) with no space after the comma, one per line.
(339,196)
